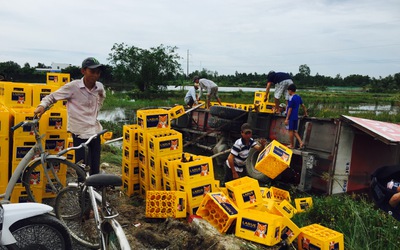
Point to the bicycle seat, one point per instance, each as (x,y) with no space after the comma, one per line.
(104,180)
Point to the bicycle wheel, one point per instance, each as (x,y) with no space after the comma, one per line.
(68,209)
(37,185)
(41,232)
(114,235)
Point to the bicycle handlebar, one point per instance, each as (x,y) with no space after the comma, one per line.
(83,144)
(23,123)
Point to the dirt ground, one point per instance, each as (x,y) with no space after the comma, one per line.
(171,234)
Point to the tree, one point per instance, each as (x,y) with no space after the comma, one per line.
(145,69)
(304,70)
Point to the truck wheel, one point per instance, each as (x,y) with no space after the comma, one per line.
(250,166)
(228,112)
(216,122)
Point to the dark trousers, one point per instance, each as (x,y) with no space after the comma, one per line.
(93,156)
(228,174)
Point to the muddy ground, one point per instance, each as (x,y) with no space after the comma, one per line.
(149,233)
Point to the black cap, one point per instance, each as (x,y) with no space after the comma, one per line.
(91,63)
(245,127)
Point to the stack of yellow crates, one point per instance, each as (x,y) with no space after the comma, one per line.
(18,102)
(130,159)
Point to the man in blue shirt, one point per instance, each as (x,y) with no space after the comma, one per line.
(282,81)
(292,116)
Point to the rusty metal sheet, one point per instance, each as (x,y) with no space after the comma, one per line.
(384,131)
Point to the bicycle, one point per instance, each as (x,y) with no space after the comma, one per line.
(77,203)
(37,163)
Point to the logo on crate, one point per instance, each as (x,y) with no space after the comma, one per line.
(162,121)
(55,123)
(201,191)
(281,153)
(21,152)
(289,233)
(249,197)
(56,145)
(43,95)
(259,229)
(18,97)
(224,203)
(35,178)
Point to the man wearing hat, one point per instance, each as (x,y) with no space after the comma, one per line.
(235,166)
(210,86)
(84,98)
(191,96)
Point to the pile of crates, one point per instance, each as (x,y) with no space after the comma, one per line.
(153,159)
(263,215)
(17,103)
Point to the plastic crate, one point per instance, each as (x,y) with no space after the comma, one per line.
(277,194)
(16,95)
(19,115)
(259,226)
(284,208)
(4,151)
(169,185)
(142,157)
(200,168)
(165,143)
(144,174)
(106,137)
(165,204)
(130,169)
(290,229)
(303,204)
(142,139)
(4,172)
(156,182)
(39,91)
(57,79)
(218,210)
(168,164)
(21,146)
(47,190)
(144,187)
(274,159)
(153,119)
(130,134)
(130,186)
(244,192)
(4,121)
(155,165)
(176,111)
(130,153)
(196,191)
(55,142)
(316,236)
(19,194)
(54,120)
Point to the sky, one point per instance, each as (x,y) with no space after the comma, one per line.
(331,37)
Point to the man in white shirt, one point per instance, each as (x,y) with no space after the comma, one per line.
(210,86)
(191,96)
(85,98)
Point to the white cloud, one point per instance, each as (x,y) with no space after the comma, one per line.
(332,37)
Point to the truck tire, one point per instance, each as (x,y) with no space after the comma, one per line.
(216,122)
(250,167)
(228,112)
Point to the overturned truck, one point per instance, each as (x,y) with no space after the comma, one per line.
(339,156)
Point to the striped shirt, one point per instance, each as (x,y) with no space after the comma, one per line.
(241,152)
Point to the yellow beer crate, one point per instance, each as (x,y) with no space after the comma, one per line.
(244,192)
(277,194)
(143,157)
(316,236)
(4,121)
(144,187)
(196,191)
(284,208)
(130,153)
(165,204)
(54,120)
(169,185)
(303,204)
(289,229)
(3,175)
(16,95)
(57,79)
(197,169)
(55,141)
(130,186)
(165,142)
(47,190)
(21,146)
(218,210)
(39,91)
(258,226)
(19,194)
(156,182)
(274,159)
(19,115)
(168,166)
(176,111)
(130,169)
(144,174)
(4,151)
(153,119)
(155,165)
(130,134)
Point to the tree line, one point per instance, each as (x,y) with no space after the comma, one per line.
(151,70)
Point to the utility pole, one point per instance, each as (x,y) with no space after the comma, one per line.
(187,64)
